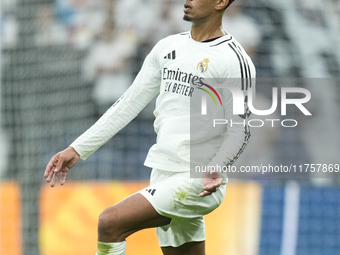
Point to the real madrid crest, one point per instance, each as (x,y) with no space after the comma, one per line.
(202,66)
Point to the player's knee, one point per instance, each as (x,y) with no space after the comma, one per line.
(108,224)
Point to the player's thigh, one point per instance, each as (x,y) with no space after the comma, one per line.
(128,216)
(192,248)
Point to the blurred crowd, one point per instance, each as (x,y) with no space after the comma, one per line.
(301,35)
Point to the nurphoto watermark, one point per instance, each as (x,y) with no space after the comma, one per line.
(264,128)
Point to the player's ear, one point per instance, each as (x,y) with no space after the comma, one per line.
(221,4)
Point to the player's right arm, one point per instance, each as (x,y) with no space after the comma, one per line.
(144,88)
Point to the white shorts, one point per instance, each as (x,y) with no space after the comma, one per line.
(176,195)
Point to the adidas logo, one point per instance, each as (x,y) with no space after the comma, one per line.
(151,191)
(171,55)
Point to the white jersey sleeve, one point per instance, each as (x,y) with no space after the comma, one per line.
(144,88)
(241,72)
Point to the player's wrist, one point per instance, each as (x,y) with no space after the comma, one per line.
(73,150)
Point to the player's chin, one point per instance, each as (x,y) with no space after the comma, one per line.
(186,17)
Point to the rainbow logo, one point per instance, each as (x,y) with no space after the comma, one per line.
(210,94)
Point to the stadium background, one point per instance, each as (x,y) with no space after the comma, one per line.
(57,57)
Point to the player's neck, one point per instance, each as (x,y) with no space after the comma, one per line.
(205,31)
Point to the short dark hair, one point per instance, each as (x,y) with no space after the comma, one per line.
(230,2)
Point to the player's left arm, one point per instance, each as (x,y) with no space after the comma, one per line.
(238,130)
(237,135)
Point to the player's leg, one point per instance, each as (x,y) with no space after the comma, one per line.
(124,218)
(176,195)
(191,248)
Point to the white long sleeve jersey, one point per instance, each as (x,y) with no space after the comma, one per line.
(175,70)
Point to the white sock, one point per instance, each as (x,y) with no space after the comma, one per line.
(111,248)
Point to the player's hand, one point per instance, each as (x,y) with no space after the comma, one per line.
(60,163)
(211,182)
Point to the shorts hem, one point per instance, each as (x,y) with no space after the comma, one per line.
(181,243)
(153,205)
